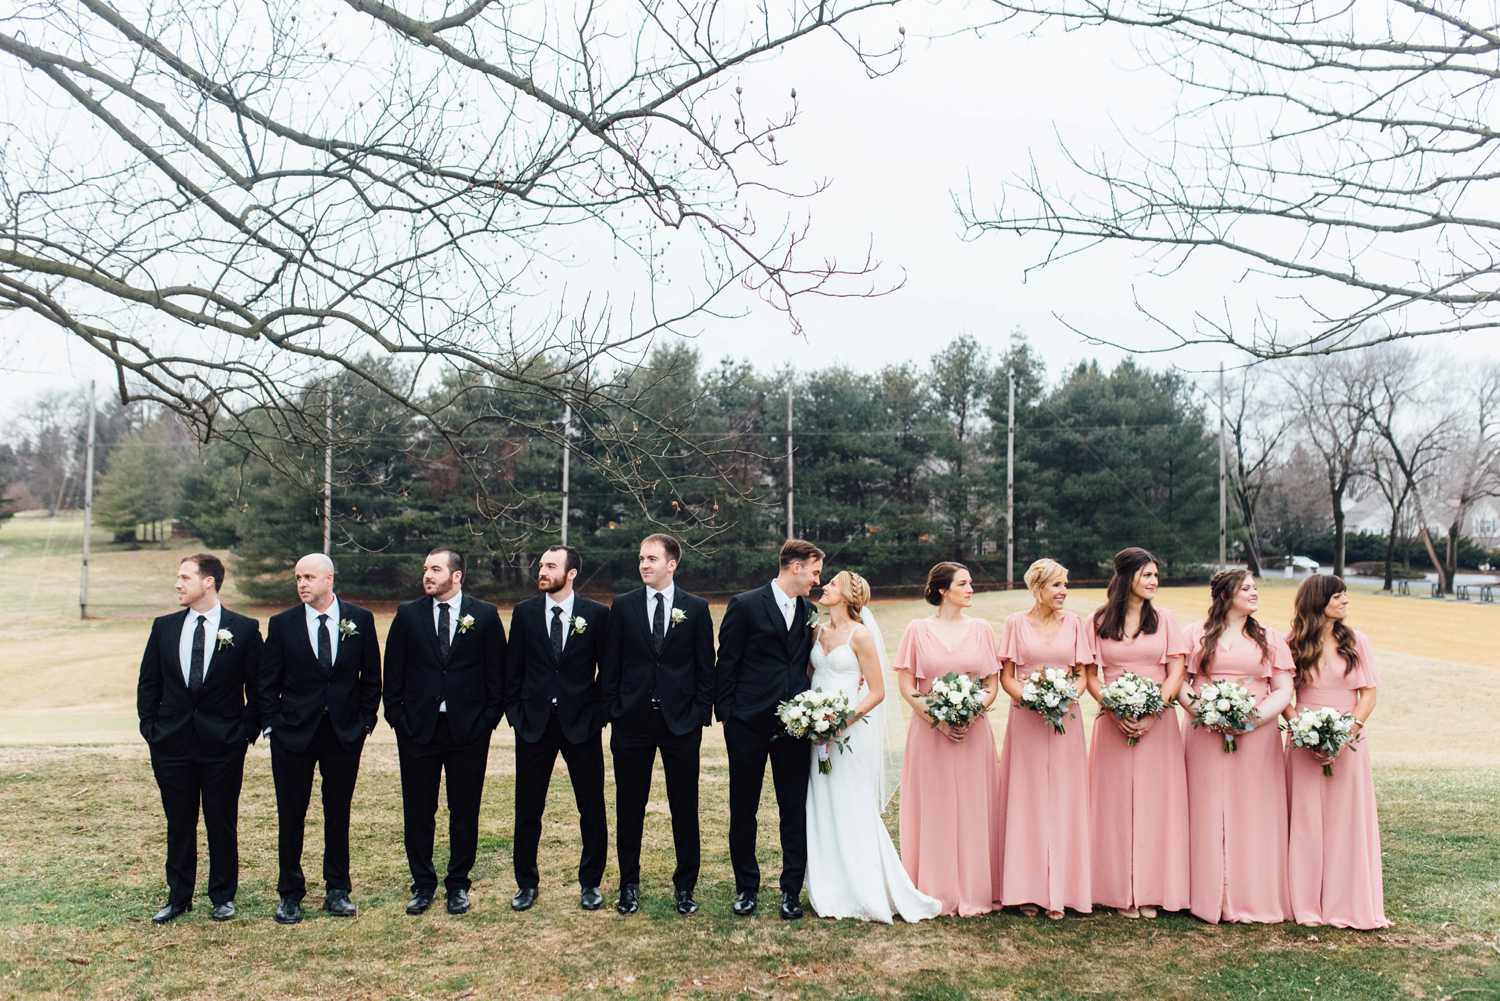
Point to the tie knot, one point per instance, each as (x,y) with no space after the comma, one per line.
(556,611)
(202,619)
(323,618)
(660,597)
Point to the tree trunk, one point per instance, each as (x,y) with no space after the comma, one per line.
(1390,549)
(1338,537)
(1444,583)
(1452,554)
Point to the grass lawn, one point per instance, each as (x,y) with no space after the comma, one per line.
(81,852)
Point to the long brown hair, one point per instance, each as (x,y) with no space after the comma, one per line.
(1306,638)
(1222,588)
(1109,619)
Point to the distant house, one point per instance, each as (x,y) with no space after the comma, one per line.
(1370,514)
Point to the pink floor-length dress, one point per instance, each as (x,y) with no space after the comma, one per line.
(1138,804)
(1334,850)
(1237,806)
(948,811)
(1044,792)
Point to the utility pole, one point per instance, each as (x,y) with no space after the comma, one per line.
(1223,473)
(1010,485)
(790,532)
(328,475)
(88,511)
(567,430)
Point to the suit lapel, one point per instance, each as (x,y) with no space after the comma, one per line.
(644,607)
(174,648)
(552,657)
(429,628)
(778,621)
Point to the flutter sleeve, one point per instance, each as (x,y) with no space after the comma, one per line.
(1192,638)
(987,660)
(1084,651)
(1364,674)
(1281,653)
(1010,641)
(1177,640)
(906,653)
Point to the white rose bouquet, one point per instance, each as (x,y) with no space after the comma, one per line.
(1051,693)
(1132,697)
(1225,707)
(955,699)
(817,717)
(1322,731)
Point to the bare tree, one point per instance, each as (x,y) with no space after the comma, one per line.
(230,201)
(1341,154)
(1254,429)
(1473,470)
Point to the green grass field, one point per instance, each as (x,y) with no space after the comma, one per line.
(81,853)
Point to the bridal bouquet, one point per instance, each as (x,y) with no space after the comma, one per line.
(1323,731)
(955,699)
(818,717)
(1132,697)
(1225,706)
(1051,693)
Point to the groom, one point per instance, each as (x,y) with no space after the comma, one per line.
(765,644)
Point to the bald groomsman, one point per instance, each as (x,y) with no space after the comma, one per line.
(319,692)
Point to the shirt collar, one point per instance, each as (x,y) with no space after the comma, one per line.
(455,602)
(782,598)
(213,614)
(665,592)
(566,606)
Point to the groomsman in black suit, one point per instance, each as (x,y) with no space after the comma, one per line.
(197,708)
(765,647)
(444,694)
(658,681)
(319,690)
(553,701)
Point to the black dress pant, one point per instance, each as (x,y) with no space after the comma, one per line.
(633,743)
(534,763)
(422,768)
(189,779)
(750,743)
(292,772)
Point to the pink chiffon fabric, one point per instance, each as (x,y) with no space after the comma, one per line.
(949,845)
(1043,788)
(1334,854)
(1138,802)
(1237,803)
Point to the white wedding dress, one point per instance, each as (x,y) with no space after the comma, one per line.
(853,870)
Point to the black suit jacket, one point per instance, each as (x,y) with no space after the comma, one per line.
(223,716)
(534,675)
(682,674)
(761,662)
(295,691)
(418,679)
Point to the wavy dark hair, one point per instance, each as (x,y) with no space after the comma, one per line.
(1306,637)
(1221,588)
(1109,619)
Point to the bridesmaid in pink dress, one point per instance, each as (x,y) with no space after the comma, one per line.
(1043,774)
(1237,807)
(948,778)
(1334,853)
(1138,812)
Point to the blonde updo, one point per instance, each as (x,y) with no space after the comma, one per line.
(855,590)
(1041,573)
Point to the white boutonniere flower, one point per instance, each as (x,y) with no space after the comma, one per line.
(812,619)
(347,629)
(678,616)
(466,623)
(580,625)
(225,639)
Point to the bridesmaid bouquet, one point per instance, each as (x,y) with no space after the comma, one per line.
(817,717)
(1051,693)
(1132,697)
(1225,706)
(955,699)
(1323,731)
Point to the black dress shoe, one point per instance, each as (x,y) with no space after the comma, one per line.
(630,899)
(744,904)
(289,911)
(223,912)
(791,906)
(685,902)
(337,903)
(458,901)
(169,911)
(590,899)
(524,898)
(419,902)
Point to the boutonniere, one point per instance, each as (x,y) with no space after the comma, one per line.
(812,618)
(466,623)
(347,629)
(580,625)
(678,616)
(225,639)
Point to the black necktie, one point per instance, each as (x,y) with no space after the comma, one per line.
(556,631)
(443,638)
(659,623)
(325,644)
(195,668)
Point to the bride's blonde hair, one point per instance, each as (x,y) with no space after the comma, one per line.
(856,591)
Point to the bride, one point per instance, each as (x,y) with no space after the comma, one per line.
(853,870)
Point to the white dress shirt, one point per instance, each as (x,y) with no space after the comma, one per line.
(210,641)
(454,604)
(333,627)
(567,616)
(788,605)
(666,605)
